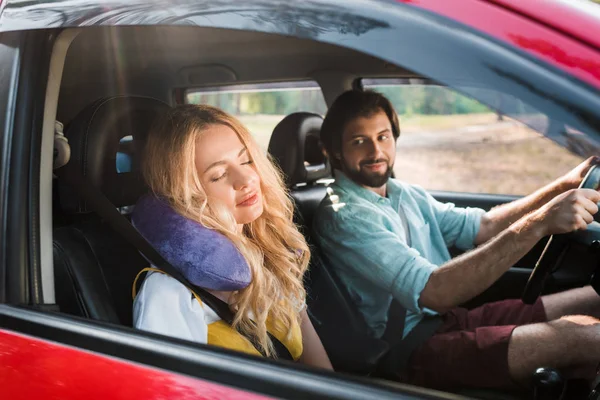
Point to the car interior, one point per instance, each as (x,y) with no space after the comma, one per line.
(110,83)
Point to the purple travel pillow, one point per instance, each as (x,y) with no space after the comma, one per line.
(204,256)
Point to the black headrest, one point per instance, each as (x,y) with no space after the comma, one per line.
(296,148)
(95,139)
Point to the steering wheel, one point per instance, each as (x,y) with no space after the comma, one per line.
(556,248)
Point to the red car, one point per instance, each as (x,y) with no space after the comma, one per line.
(103,69)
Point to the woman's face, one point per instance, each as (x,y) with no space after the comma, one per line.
(227,173)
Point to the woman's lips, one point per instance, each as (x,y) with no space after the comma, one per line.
(249,201)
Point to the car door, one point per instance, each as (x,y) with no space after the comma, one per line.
(396,34)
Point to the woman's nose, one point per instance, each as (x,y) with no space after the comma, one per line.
(243,177)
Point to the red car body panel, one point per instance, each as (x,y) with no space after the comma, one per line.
(540,40)
(560,15)
(39,369)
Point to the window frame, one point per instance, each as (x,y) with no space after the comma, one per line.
(552,132)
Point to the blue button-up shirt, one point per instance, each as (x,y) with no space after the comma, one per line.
(364,239)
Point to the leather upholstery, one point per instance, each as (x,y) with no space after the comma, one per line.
(295,147)
(306,200)
(94,267)
(94,136)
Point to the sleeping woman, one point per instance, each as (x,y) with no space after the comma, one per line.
(220,215)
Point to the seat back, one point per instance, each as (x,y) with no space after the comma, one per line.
(295,147)
(94,267)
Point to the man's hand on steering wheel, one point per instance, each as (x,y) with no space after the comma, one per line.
(573,178)
(570,211)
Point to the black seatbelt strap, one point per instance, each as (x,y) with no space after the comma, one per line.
(421,333)
(100,204)
(401,349)
(395,323)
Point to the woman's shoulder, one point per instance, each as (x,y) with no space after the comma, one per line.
(163,296)
(160,282)
(162,288)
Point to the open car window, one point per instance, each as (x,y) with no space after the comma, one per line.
(445,133)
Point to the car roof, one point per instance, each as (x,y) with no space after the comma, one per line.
(577,18)
(460,45)
(544,29)
(565,33)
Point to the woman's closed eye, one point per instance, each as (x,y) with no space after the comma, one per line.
(218,177)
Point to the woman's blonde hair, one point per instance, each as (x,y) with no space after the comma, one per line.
(273,247)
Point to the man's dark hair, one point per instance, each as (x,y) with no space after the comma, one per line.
(347,107)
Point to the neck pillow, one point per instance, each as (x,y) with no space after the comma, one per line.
(205,257)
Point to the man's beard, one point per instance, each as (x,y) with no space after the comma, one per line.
(369,179)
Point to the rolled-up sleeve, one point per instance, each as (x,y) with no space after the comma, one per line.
(363,245)
(459,226)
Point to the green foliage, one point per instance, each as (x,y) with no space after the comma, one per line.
(429,100)
(408,100)
(274,102)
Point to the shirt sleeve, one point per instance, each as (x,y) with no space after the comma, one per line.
(459,226)
(166,307)
(369,250)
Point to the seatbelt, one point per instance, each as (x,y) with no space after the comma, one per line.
(421,333)
(401,349)
(100,204)
(395,323)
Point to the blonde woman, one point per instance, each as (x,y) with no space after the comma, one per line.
(208,168)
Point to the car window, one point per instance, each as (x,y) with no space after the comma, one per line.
(260,107)
(451,142)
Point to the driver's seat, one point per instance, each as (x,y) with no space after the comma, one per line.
(294,146)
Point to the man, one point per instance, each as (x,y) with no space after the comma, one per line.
(389,240)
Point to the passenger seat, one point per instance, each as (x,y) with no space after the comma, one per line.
(94,267)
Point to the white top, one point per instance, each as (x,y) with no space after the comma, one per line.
(165,306)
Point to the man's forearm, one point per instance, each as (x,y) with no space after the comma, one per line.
(501,217)
(466,276)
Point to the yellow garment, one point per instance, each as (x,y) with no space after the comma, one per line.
(221,334)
